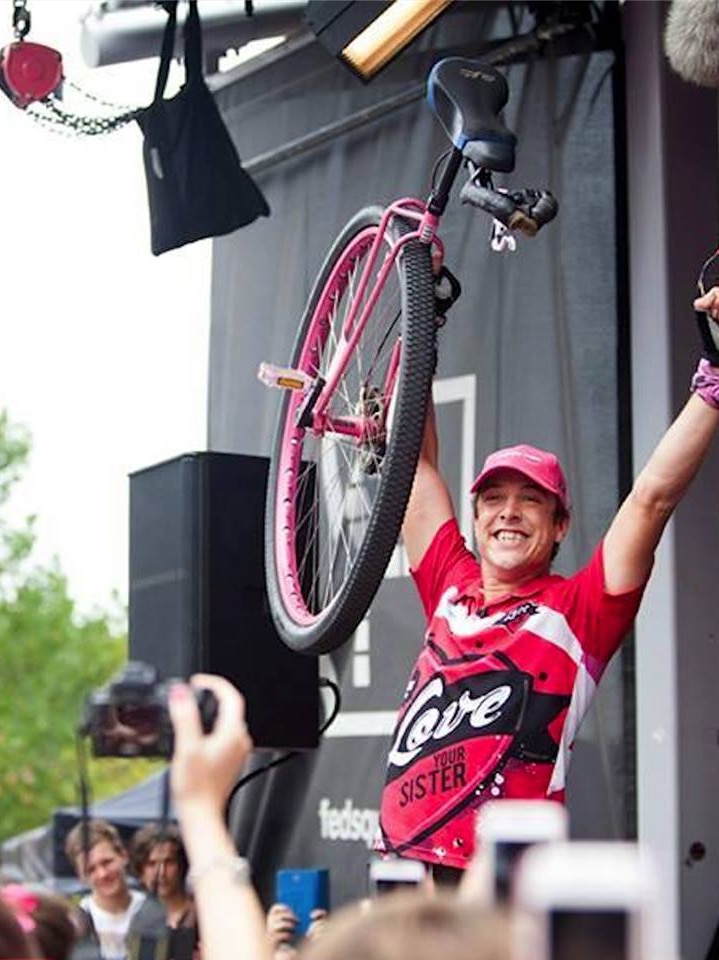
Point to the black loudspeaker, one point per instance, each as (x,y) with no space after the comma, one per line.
(197,590)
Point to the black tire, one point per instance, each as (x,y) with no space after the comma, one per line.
(331,624)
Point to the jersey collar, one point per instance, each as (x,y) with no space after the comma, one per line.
(524,592)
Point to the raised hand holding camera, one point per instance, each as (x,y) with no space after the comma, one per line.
(205,767)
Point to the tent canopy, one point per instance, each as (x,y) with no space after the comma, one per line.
(39,854)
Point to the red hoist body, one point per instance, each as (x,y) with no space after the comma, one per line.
(28,71)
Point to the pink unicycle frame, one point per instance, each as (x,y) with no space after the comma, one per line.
(361,426)
(365,426)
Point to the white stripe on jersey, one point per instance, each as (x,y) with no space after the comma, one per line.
(582,695)
(461,622)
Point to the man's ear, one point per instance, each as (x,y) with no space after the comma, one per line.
(561,527)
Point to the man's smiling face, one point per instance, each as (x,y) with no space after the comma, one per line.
(516,525)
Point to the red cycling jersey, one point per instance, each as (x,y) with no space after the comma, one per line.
(495,699)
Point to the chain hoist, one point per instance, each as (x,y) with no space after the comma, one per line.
(31,75)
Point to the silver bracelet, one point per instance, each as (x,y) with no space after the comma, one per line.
(237,867)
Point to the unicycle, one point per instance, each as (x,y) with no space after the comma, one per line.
(355,391)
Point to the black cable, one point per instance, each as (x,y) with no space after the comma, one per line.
(291,754)
(330,684)
(162,835)
(84,794)
(165,809)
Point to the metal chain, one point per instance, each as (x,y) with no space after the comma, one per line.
(50,114)
(53,115)
(121,107)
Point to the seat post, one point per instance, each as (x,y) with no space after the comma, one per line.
(440,194)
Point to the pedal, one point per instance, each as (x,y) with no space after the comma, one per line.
(284,378)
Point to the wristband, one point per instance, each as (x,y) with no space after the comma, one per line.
(237,867)
(705,383)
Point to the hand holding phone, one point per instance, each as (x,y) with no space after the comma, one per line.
(281,925)
(304,892)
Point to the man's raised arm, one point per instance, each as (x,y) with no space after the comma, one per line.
(430,504)
(634,533)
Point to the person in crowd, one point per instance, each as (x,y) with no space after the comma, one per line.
(52,924)
(56,928)
(413,926)
(16,926)
(111,904)
(159,861)
(513,653)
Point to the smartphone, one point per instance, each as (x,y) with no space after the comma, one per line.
(303,890)
(386,875)
(593,900)
(505,829)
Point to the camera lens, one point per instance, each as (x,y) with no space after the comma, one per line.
(142,720)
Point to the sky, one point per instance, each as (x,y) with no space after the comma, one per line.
(103,347)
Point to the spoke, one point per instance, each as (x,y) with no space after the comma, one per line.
(327,505)
(356,268)
(336,532)
(315,512)
(333,518)
(303,527)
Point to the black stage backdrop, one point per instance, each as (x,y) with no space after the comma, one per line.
(529,354)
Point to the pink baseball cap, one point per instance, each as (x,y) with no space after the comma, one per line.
(541,467)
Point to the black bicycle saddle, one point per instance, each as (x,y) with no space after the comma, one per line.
(468,96)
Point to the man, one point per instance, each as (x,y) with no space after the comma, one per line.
(166,923)
(159,862)
(111,904)
(512,653)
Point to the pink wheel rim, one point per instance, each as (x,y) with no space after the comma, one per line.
(289,469)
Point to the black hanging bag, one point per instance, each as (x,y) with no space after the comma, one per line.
(196,185)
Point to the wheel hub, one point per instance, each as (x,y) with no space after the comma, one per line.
(371,407)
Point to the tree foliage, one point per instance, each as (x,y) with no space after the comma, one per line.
(50,659)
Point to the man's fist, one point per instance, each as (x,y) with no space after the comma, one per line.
(706,310)
(709,303)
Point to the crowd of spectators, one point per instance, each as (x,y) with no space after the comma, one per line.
(198,900)
(183,892)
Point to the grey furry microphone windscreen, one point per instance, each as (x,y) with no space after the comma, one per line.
(691,40)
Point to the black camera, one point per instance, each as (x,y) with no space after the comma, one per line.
(130,718)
